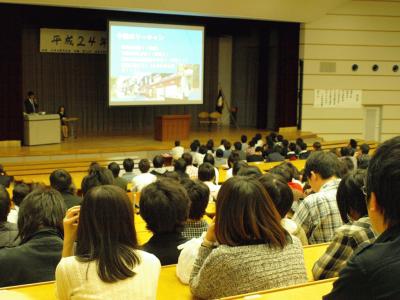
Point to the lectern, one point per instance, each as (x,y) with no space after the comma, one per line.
(172,127)
(42,129)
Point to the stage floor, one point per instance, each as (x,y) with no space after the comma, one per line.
(138,142)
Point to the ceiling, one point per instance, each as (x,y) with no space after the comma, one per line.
(303,11)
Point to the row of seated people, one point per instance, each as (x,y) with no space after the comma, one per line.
(232,241)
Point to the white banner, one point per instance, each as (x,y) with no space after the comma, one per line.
(73,41)
(336,98)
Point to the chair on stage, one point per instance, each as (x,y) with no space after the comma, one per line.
(203,118)
(215,118)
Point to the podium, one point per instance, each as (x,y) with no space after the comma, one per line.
(172,127)
(42,129)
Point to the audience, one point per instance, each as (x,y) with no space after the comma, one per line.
(158,166)
(8,231)
(232,159)
(243,139)
(164,206)
(238,165)
(107,262)
(145,178)
(180,169)
(256,156)
(61,181)
(118,181)
(356,230)
(249,171)
(199,195)
(96,177)
(220,161)
(177,151)
(40,230)
(207,176)
(210,146)
(128,165)
(5,180)
(238,149)
(191,170)
(317,146)
(19,192)
(373,271)
(318,213)
(291,154)
(304,153)
(209,158)
(227,150)
(276,154)
(196,157)
(363,157)
(243,251)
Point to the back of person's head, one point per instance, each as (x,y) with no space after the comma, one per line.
(94,167)
(233,157)
(277,148)
(303,146)
(206,172)
(114,168)
(197,143)
(347,166)
(19,192)
(317,146)
(177,143)
(30,93)
(285,143)
(193,147)
(243,138)
(252,143)
(180,165)
(325,164)
(258,149)
(238,146)
(144,165)
(350,198)
(173,175)
(102,176)
(294,173)
(283,172)
(219,153)
(158,161)
(299,141)
(128,164)
(353,143)
(237,165)
(107,238)
(345,151)
(252,171)
(209,158)
(279,191)
(292,147)
(227,145)
(199,195)
(223,142)
(279,138)
(364,148)
(5,204)
(383,179)
(203,149)
(42,208)
(210,145)
(61,181)
(164,205)
(246,215)
(188,158)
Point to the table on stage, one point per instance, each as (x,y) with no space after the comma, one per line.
(71,122)
(172,127)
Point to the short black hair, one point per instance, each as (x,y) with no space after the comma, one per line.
(209,158)
(30,93)
(325,164)
(383,179)
(203,149)
(164,205)
(193,147)
(292,147)
(99,177)
(349,195)
(188,158)
(279,137)
(144,165)
(317,146)
(227,145)
(258,149)
(158,161)
(364,148)
(243,138)
(180,165)
(206,172)
(278,148)
(281,171)
(237,165)
(19,193)
(210,145)
(345,151)
(233,157)
(285,143)
(248,171)
(353,143)
(61,181)
(177,143)
(114,168)
(219,153)
(199,195)
(299,141)
(5,203)
(128,164)
(303,146)
(238,146)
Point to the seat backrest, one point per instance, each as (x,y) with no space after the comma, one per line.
(203,115)
(215,115)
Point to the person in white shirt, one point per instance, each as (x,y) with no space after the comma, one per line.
(19,192)
(197,157)
(177,151)
(209,158)
(191,170)
(145,178)
(207,175)
(107,263)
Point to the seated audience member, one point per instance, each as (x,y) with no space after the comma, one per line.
(373,271)
(158,166)
(222,145)
(5,180)
(243,139)
(353,146)
(164,206)
(256,156)
(318,213)
(118,181)
(299,142)
(292,155)
(357,228)
(143,179)
(244,250)
(345,166)
(346,152)
(207,176)
(304,153)
(251,148)
(98,176)
(258,140)
(227,150)
(232,159)
(317,146)
(19,192)
(61,181)
(177,151)
(237,166)
(209,158)
(279,139)
(238,149)
(107,263)
(285,147)
(363,157)
(199,195)
(220,161)
(191,170)
(8,231)
(196,157)
(128,165)
(202,153)
(210,146)
(282,196)
(40,230)
(180,168)
(175,175)
(252,171)
(276,154)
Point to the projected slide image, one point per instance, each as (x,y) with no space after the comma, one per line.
(151,65)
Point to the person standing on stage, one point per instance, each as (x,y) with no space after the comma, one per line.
(31,105)
(63,119)
(220,102)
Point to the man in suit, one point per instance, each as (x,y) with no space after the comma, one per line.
(31,105)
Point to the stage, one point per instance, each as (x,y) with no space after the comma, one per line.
(141,144)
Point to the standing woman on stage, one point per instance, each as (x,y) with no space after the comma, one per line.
(107,263)
(63,119)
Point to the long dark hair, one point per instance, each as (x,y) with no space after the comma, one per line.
(106,233)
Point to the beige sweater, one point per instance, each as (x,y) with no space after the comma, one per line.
(227,271)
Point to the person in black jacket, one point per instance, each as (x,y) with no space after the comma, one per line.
(40,225)
(30,104)
(61,181)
